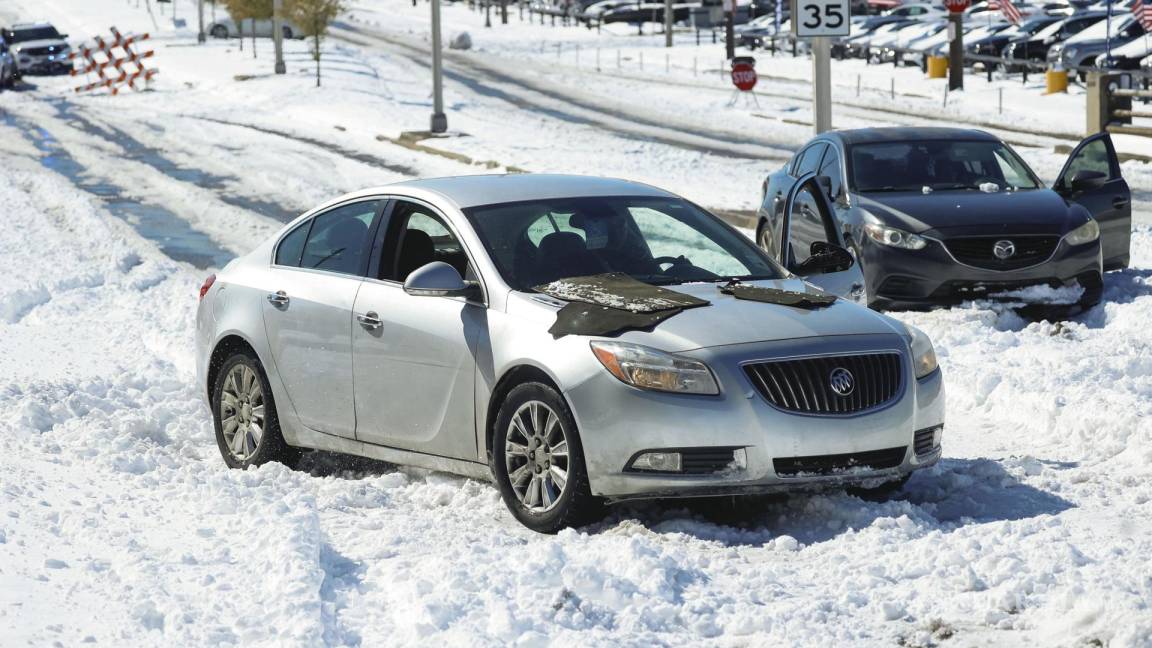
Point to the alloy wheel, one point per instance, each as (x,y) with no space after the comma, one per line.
(242,412)
(536,455)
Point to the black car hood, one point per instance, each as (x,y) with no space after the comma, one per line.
(957,213)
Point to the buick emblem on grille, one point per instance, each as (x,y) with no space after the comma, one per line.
(1004,249)
(841,381)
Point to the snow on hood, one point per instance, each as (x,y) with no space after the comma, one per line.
(46,42)
(728,320)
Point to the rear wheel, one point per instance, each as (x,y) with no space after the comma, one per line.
(244,414)
(219,31)
(538,461)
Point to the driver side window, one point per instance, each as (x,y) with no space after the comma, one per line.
(807,227)
(418,236)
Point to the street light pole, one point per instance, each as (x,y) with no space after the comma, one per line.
(278,34)
(668,23)
(200,13)
(439,119)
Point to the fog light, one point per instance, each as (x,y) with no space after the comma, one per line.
(937,436)
(658,462)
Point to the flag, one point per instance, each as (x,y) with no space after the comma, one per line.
(1142,9)
(1009,10)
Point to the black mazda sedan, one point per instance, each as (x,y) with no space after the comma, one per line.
(941,215)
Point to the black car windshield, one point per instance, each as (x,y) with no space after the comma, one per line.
(937,165)
(34,34)
(656,240)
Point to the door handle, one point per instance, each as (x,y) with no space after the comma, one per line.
(279,299)
(1119,203)
(370,320)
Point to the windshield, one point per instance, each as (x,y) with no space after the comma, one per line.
(655,240)
(34,33)
(1099,30)
(938,164)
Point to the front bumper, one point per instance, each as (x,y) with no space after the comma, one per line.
(43,65)
(911,279)
(617,421)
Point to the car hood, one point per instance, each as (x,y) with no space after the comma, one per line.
(727,320)
(960,212)
(48,42)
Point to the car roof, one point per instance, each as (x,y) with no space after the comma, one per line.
(30,25)
(908,133)
(488,189)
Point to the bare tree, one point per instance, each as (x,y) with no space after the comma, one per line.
(314,17)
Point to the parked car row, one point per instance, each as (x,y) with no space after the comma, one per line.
(582,341)
(1069,35)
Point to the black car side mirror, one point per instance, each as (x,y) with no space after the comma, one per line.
(825,258)
(1085,179)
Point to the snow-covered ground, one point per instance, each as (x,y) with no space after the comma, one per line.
(119,523)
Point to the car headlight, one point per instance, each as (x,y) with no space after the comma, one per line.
(1086,233)
(648,368)
(893,237)
(923,355)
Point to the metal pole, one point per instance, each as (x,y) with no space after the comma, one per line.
(668,23)
(729,35)
(278,34)
(822,84)
(200,38)
(956,51)
(439,119)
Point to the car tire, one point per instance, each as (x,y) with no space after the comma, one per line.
(536,419)
(286,32)
(762,240)
(241,390)
(219,31)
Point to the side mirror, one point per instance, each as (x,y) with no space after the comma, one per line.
(63,36)
(1084,180)
(437,279)
(825,258)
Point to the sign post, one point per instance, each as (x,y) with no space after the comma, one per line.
(956,43)
(439,119)
(819,21)
(730,29)
(278,36)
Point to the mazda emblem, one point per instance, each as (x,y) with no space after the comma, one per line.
(1004,249)
(842,381)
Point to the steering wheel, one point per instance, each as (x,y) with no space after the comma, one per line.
(674,260)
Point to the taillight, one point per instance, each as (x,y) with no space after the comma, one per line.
(207,284)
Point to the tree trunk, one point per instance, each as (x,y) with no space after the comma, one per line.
(240,26)
(253,38)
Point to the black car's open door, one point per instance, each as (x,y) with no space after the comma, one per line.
(1091,177)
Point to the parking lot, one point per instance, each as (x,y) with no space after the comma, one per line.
(120,523)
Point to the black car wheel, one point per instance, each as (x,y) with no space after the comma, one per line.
(219,31)
(538,462)
(244,415)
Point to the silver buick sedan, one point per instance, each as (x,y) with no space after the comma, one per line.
(577,340)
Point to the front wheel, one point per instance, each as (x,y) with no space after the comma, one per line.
(538,462)
(219,31)
(244,414)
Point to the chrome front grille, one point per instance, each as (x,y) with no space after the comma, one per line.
(806,385)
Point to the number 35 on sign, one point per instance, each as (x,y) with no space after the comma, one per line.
(821,18)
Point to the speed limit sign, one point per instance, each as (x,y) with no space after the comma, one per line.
(821,18)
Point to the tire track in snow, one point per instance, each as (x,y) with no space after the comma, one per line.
(618,120)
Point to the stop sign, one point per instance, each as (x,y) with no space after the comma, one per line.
(743,75)
(956,6)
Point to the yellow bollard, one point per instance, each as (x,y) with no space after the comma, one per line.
(1056,81)
(937,67)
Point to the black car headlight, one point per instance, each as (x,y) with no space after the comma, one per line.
(893,237)
(1086,233)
